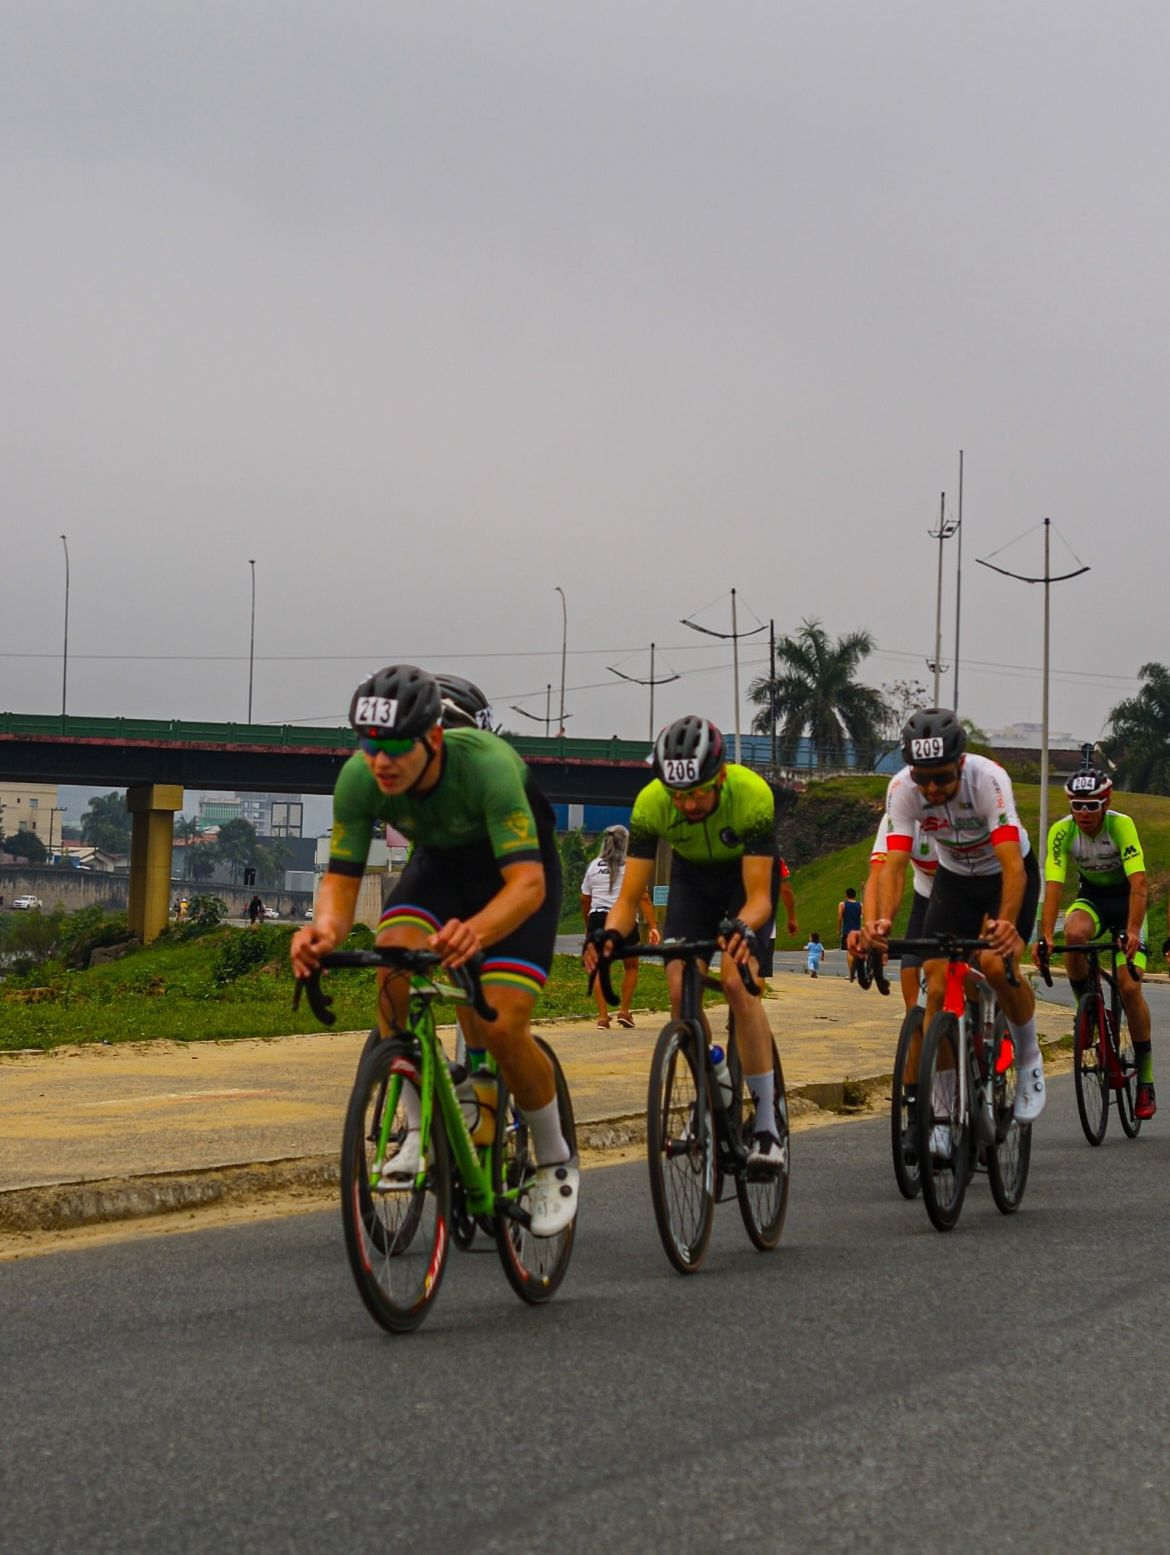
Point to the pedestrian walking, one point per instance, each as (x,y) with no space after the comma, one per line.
(815,952)
(848,919)
(599,891)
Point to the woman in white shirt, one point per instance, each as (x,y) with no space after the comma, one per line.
(599,891)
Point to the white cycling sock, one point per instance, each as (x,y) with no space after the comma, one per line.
(544,1124)
(412,1106)
(1027,1045)
(763,1090)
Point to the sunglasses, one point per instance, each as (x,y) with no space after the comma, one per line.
(935,779)
(681,795)
(386,747)
(1086,806)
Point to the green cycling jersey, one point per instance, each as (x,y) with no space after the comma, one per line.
(1106,860)
(483,795)
(741,823)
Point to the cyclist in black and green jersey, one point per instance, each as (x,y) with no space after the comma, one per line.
(483,877)
(1112,895)
(718,819)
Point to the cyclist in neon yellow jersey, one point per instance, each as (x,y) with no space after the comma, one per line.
(1112,896)
(718,818)
(484,876)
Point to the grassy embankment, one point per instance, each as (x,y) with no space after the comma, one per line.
(199,991)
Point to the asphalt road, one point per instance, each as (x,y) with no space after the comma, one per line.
(873,1385)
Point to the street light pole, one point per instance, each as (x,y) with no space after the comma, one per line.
(252,638)
(564,649)
(652,682)
(65,649)
(735,634)
(944,532)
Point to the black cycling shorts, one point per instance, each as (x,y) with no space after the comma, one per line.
(442,883)
(959,903)
(914,926)
(701,896)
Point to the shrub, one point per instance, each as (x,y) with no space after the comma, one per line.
(245,950)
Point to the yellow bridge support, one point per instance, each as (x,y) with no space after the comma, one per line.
(153,806)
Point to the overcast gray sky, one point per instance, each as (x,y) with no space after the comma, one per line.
(431,308)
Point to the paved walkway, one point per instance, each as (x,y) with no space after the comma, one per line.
(136,1110)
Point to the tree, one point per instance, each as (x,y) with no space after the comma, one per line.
(901,698)
(201,861)
(189,830)
(107,824)
(272,858)
(815,694)
(26,845)
(237,846)
(1139,741)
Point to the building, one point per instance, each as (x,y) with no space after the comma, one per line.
(31,807)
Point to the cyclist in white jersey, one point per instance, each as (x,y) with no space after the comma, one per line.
(987,883)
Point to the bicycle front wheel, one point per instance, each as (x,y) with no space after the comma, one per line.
(1090,1076)
(681,1155)
(763,1200)
(944,1138)
(1127,1069)
(396,1237)
(903,1134)
(1008,1160)
(534,1265)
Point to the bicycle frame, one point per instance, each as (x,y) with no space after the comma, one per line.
(1107,1052)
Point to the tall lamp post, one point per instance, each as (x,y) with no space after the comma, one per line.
(65,648)
(735,634)
(252,638)
(564,648)
(946,528)
(1047,579)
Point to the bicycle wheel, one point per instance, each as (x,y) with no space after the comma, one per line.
(763,1201)
(396,1240)
(682,1165)
(944,1138)
(1127,1064)
(1090,1077)
(903,1134)
(534,1265)
(1009,1159)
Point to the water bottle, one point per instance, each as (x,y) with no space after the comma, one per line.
(724,1090)
(477,1102)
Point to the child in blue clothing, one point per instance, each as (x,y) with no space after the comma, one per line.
(816,953)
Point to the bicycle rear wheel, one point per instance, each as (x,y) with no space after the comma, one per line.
(1007,1161)
(944,1137)
(396,1239)
(682,1165)
(534,1265)
(1127,1064)
(763,1200)
(903,1133)
(1090,1076)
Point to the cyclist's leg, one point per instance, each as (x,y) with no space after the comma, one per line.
(1081,924)
(1018,1003)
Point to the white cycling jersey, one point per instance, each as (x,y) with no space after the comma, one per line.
(922,855)
(966,829)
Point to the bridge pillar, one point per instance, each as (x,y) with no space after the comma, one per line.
(153,806)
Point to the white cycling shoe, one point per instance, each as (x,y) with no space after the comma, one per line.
(1030,1093)
(399,1171)
(552,1198)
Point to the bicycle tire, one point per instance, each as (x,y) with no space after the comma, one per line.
(534,1265)
(902,1126)
(396,1242)
(763,1201)
(1090,1078)
(682,1166)
(1007,1161)
(1127,1062)
(944,1176)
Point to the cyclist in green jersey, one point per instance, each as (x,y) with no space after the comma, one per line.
(1112,896)
(718,819)
(483,878)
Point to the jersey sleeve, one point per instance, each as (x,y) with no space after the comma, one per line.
(508,817)
(646,821)
(880,844)
(901,814)
(1125,835)
(353,820)
(1060,835)
(1003,821)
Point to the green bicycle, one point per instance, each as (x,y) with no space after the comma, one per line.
(398,1232)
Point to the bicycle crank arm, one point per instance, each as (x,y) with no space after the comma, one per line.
(512,1211)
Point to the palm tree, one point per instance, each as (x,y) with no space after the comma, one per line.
(1139,743)
(815,694)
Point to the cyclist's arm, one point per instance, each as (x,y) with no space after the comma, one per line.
(1139,901)
(332,920)
(1053,891)
(789,901)
(646,906)
(869,898)
(1005,940)
(891,880)
(635,885)
(757,890)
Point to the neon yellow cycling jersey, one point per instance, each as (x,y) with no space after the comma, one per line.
(742,822)
(1108,859)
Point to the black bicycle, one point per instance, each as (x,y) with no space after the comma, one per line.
(1104,1062)
(700,1120)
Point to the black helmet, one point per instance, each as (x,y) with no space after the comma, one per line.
(932,738)
(400,702)
(464,704)
(687,752)
(1089,783)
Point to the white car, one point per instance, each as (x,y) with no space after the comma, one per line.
(26,904)
(271,912)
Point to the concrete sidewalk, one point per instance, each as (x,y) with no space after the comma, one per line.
(95,1133)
